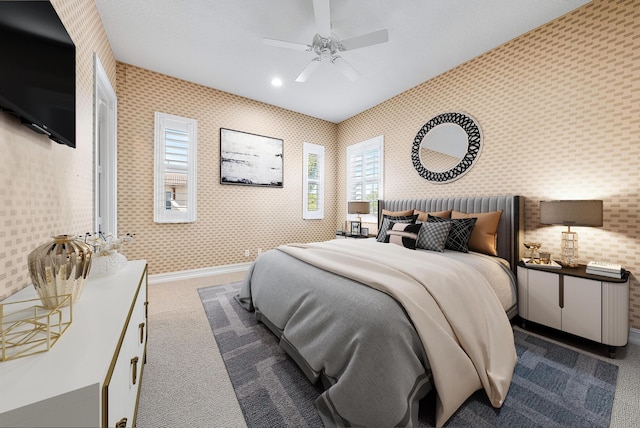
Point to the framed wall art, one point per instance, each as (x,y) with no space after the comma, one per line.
(250,159)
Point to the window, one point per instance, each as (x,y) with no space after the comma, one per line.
(364,175)
(313,181)
(175,169)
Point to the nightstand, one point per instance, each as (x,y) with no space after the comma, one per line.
(342,234)
(569,299)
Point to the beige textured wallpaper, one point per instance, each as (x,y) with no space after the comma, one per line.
(559,109)
(231,218)
(47,188)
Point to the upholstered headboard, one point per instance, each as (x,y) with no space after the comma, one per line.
(510,227)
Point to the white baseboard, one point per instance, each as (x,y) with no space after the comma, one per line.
(634,336)
(160,278)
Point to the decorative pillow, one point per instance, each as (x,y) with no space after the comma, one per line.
(397,213)
(432,236)
(458,237)
(382,231)
(403,234)
(422,216)
(485,233)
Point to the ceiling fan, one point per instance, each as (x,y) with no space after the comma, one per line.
(327,46)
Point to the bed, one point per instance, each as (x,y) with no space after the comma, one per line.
(354,314)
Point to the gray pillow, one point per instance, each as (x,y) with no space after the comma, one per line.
(432,236)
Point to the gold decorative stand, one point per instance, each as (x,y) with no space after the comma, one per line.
(27,327)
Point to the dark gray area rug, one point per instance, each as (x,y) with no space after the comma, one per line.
(552,385)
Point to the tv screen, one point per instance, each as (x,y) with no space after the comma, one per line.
(38,69)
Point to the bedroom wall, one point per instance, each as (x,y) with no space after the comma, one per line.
(559,109)
(231,218)
(47,188)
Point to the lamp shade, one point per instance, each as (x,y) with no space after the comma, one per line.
(571,213)
(358,207)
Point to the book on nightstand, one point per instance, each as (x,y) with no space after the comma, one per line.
(610,270)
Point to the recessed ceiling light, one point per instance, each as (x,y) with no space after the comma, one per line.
(276,81)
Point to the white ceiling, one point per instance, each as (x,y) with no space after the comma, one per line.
(218,43)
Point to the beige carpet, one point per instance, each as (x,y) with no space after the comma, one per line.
(185,382)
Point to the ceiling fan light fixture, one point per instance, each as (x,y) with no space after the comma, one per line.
(326,45)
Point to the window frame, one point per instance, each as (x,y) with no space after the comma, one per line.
(105,152)
(164,121)
(361,149)
(318,150)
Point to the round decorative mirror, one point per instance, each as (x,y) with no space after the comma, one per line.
(446,147)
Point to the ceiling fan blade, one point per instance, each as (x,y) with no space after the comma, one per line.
(345,68)
(323,18)
(287,45)
(374,38)
(310,68)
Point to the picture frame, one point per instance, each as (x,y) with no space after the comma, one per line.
(355,228)
(250,159)
(364,231)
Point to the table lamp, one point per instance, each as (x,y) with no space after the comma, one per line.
(571,213)
(358,207)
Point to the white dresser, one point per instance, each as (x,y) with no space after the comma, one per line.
(91,377)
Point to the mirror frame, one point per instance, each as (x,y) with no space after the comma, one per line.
(474,147)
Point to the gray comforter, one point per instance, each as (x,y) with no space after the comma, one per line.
(358,341)
(361,342)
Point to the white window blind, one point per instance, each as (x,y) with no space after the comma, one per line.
(313,181)
(175,169)
(365,163)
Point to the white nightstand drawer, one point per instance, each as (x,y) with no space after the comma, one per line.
(582,312)
(544,303)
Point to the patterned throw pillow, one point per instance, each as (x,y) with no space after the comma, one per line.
(382,232)
(461,228)
(403,234)
(432,236)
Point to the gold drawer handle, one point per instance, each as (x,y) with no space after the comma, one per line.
(134,375)
(141,327)
(122,423)
(146,309)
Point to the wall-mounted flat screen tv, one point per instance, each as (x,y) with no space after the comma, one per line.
(38,69)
